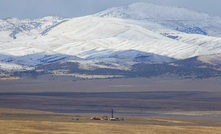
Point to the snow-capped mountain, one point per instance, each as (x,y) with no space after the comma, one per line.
(13,28)
(178,19)
(117,38)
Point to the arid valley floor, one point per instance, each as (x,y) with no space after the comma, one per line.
(150,106)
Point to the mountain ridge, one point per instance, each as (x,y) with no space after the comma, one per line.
(107,40)
(179,19)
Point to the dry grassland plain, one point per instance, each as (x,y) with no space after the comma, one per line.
(149,106)
(35,122)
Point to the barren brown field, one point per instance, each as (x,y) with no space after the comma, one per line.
(67,84)
(14,121)
(149,106)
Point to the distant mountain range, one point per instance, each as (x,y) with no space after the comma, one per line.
(137,40)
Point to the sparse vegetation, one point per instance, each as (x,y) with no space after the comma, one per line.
(186,112)
(31,122)
(153,70)
(187,69)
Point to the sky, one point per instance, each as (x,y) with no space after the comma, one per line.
(75,8)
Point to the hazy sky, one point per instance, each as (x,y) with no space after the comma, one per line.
(75,8)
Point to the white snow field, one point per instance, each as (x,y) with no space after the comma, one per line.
(121,36)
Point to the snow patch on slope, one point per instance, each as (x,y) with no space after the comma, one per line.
(95,36)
